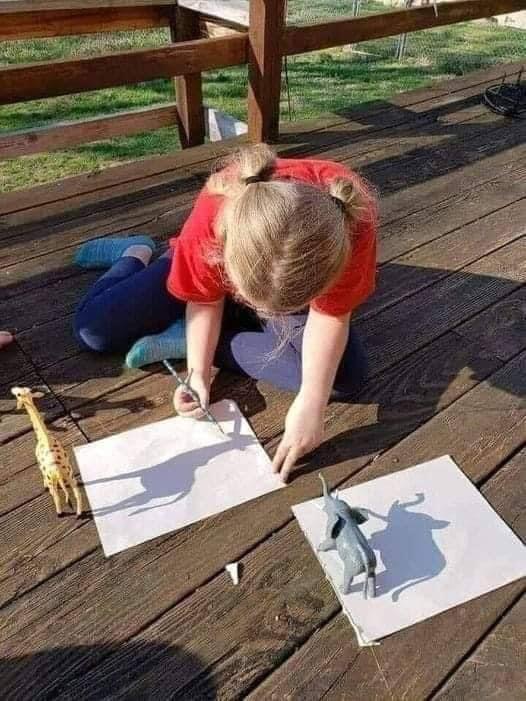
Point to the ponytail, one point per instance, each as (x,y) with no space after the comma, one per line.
(353,199)
(246,167)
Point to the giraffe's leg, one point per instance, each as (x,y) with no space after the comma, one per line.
(41,465)
(65,491)
(78,499)
(43,473)
(72,481)
(56,498)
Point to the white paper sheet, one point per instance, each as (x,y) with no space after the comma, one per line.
(157,478)
(437,540)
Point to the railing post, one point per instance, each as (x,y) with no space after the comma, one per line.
(184,26)
(267,20)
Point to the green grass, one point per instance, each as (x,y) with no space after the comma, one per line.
(321,82)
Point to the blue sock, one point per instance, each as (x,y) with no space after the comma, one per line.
(170,344)
(103,253)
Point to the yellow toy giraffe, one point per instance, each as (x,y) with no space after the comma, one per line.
(51,455)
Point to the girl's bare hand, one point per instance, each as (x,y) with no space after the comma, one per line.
(185,405)
(303,433)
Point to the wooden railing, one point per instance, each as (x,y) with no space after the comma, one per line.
(185,59)
(263,47)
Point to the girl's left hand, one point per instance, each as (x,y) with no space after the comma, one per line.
(303,433)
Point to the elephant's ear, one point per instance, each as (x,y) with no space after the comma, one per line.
(360,515)
(337,527)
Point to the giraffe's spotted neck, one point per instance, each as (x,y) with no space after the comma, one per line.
(38,422)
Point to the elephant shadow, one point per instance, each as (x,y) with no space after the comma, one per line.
(173,478)
(418,560)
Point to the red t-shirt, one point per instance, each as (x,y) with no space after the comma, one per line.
(195,278)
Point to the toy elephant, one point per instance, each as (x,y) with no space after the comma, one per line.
(344,535)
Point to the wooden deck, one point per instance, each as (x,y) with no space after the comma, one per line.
(446,333)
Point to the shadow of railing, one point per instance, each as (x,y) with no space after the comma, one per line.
(39,675)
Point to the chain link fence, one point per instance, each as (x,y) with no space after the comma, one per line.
(450,50)
(352,75)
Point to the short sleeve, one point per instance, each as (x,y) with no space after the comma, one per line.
(358,280)
(194,275)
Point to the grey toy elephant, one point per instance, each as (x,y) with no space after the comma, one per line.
(344,535)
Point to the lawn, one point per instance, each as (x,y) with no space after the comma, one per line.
(320,82)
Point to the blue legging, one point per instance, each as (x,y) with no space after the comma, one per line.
(131,300)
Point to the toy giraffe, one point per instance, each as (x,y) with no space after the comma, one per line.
(51,456)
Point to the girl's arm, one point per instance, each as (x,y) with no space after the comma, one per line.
(203,326)
(324,342)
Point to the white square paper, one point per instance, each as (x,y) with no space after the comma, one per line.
(160,477)
(437,541)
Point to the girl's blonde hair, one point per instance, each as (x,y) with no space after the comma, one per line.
(284,242)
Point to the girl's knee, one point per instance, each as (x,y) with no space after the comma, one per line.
(93,333)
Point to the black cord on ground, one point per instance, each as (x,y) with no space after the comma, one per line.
(508,99)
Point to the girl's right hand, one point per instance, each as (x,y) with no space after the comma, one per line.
(185,405)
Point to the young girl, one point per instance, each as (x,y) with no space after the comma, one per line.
(267,270)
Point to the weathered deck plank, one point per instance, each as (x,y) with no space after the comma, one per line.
(15,366)
(438,259)
(496,668)
(505,185)
(448,303)
(501,329)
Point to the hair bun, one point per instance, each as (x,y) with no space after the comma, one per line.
(351,197)
(246,166)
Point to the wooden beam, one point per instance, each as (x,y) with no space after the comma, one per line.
(38,80)
(232,13)
(267,20)
(54,23)
(312,37)
(67,134)
(6,6)
(228,13)
(185,26)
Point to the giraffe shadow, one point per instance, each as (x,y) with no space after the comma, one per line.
(171,479)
